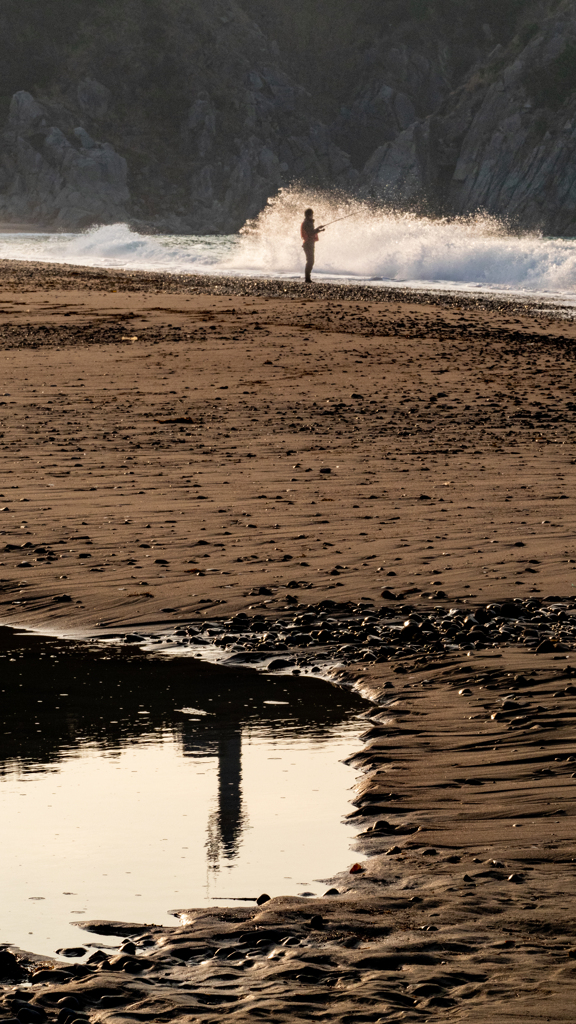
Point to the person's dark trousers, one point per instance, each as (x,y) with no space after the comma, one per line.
(309,253)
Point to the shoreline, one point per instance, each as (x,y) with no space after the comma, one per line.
(277,287)
(195,458)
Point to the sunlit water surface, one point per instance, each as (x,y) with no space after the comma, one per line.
(132,786)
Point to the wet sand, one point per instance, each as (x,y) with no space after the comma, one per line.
(176,448)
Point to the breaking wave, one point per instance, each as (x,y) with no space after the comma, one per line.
(391,247)
(370,245)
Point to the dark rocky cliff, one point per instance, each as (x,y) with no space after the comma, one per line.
(186,115)
(504,141)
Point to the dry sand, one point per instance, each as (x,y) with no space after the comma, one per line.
(174,446)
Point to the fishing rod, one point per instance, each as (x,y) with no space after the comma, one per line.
(337,221)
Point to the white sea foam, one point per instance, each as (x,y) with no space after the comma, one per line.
(390,247)
(116,246)
(373,245)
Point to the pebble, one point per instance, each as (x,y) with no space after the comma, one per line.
(97,957)
(21,1006)
(69,1002)
(30,1015)
(9,966)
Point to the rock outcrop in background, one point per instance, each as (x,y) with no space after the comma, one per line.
(187,115)
(504,142)
(47,178)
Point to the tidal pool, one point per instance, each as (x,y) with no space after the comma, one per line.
(133,785)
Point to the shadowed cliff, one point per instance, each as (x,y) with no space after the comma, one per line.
(186,115)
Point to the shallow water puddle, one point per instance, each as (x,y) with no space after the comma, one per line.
(131,786)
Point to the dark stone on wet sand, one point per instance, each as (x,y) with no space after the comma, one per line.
(278,663)
(509,611)
(31,1015)
(97,957)
(69,1002)
(67,1016)
(262,899)
(9,966)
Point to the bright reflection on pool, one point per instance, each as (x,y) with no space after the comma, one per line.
(120,800)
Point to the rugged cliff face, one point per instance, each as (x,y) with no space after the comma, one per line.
(503,142)
(176,114)
(186,115)
(49,178)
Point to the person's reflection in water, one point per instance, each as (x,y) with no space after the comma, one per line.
(225,824)
(229,791)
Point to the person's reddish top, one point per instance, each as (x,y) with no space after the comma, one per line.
(308,231)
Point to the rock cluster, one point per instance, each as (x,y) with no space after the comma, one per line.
(51,177)
(316,636)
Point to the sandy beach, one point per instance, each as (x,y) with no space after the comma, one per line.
(177,447)
(348,444)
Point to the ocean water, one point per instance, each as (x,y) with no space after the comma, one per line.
(371,245)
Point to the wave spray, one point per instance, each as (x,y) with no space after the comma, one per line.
(388,246)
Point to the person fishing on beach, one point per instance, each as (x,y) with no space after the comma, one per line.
(309,234)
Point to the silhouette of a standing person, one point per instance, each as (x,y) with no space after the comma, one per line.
(309,235)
